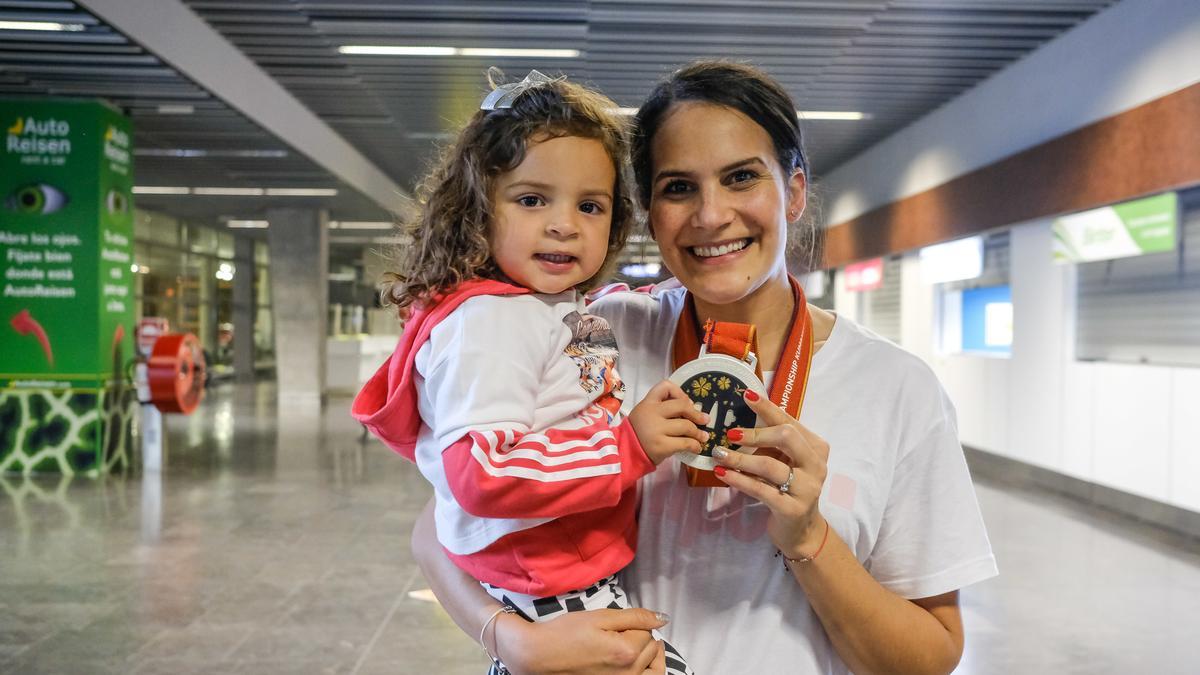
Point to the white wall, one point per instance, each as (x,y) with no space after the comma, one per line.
(1135,428)
(1131,427)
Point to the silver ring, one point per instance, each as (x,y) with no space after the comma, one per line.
(787,484)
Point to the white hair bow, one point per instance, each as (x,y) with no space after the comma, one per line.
(502,97)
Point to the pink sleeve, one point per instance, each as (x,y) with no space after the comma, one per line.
(581,465)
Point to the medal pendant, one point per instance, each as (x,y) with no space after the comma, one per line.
(716,384)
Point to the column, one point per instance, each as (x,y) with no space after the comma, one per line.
(299,244)
(244,308)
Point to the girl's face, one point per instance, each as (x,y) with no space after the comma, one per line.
(551,214)
(720,202)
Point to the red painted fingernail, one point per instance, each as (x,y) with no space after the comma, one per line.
(720,471)
(751,395)
(734,435)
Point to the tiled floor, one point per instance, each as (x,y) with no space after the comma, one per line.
(279,544)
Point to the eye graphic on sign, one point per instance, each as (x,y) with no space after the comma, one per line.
(38,198)
(116,202)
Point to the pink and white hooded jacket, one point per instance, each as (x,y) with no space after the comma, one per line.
(509,403)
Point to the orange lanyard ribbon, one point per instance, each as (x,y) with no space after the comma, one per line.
(739,340)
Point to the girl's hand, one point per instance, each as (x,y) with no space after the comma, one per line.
(666,422)
(786,448)
(598,642)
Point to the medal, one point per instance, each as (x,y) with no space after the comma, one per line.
(716,383)
(715,374)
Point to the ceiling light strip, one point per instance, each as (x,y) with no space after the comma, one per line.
(198,152)
(301,192)
(160,190)
(431,50)
(41,25)
(398,50)
(531,53)
(361,225)
(840,115)
(235,191)
(228,191)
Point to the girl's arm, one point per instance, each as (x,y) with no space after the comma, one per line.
(601,642)
(482,392)
(515,473)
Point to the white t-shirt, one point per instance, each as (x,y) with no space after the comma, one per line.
(898,493)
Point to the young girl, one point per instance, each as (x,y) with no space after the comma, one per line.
(503,389)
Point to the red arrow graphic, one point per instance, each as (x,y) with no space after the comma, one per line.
(118,335)
(25,324)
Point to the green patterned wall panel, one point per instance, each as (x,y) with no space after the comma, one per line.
(66,431)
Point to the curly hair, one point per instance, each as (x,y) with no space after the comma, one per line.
(450,242)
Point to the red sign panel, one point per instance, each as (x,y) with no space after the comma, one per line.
(864,276)
(149,329)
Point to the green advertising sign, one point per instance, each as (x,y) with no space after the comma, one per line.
(66,243)
(1133,228)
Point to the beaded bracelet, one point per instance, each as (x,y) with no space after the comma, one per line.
(806,559)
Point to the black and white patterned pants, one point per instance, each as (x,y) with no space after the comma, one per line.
(604,594)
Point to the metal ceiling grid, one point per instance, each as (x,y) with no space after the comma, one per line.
(895,60)
(213,145)
(395,110)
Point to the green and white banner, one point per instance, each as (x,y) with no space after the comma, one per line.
(66,243)
(1133,228)
(66,289)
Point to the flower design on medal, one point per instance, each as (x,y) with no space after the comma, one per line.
(720,396)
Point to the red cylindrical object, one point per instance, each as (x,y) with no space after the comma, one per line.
(176,373)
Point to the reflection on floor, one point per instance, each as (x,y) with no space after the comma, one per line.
(279,544)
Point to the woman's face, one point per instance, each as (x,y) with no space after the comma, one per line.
(720,202)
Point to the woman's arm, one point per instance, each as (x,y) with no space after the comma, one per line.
(871,628)
(600,642)
(459,594)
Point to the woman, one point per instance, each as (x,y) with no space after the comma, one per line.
(841,548)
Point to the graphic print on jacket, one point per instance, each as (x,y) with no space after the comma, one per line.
(593,348)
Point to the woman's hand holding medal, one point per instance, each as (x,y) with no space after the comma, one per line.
(786,474)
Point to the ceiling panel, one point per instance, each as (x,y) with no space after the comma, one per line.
(895,60)
(170,149)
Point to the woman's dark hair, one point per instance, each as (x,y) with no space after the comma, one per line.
(747,90)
